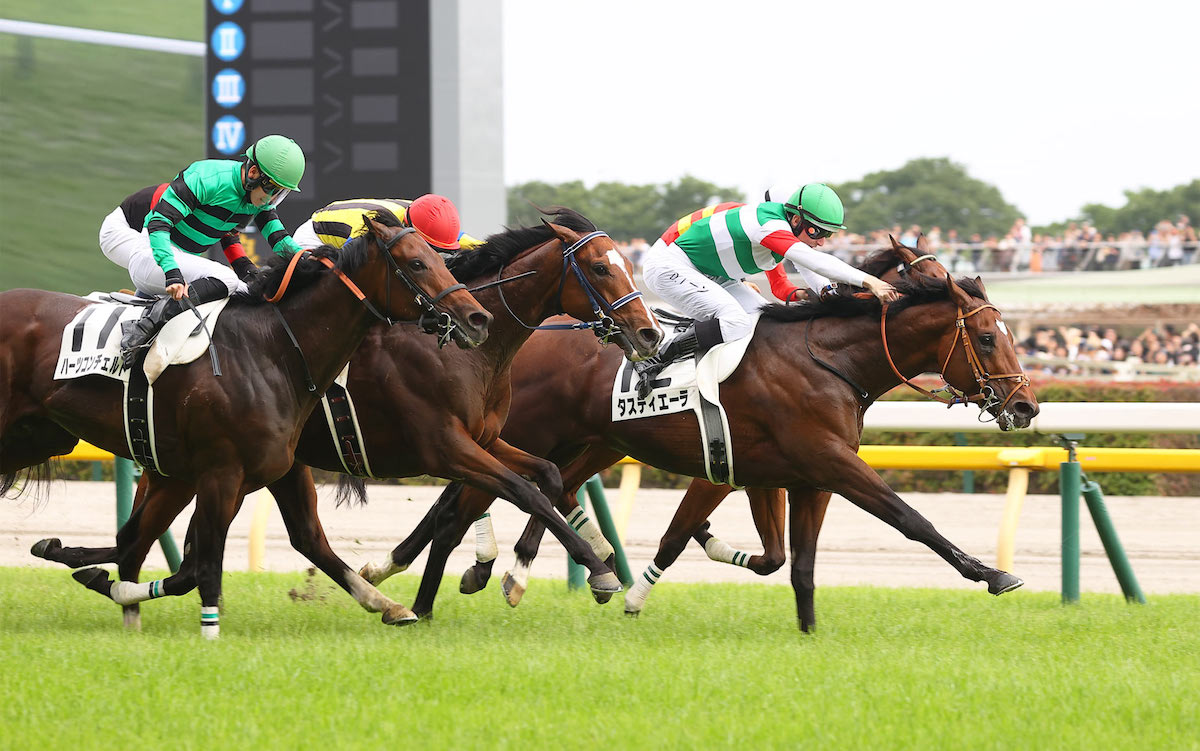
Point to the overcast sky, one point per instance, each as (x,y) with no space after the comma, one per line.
(1058,104)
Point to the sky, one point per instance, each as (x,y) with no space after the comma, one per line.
(1058,104)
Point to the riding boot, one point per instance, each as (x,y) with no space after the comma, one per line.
(679,348)
(139,333)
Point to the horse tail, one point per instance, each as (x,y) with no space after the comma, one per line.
(351,491)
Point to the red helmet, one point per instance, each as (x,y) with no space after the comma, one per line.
(436,220)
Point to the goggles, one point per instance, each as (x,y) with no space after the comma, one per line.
(814,232)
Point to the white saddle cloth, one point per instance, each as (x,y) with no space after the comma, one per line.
(91,342)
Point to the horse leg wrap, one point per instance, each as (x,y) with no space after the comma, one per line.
(590,532)
(635,598)
(210,622)
(128,593)
(485,540)
(720,551)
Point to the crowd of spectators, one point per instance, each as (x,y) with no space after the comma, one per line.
(1055,351)
(1079,247)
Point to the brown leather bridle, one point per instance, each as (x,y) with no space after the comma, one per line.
(987,394)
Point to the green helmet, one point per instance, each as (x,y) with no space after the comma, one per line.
(280,159)
(818,204)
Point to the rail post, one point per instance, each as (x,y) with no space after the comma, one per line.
(1112,544)
(595,489)
(1069,474)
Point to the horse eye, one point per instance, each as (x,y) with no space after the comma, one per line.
(599,269)
(416,264)
(987,340)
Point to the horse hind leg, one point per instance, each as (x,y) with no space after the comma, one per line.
(407,551)
(476,577)
(52,549)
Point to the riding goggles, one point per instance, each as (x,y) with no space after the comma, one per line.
(814,232)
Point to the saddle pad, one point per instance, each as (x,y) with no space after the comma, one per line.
(91,342)
(678,385)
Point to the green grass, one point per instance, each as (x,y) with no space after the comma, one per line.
(81,127)
(706,665)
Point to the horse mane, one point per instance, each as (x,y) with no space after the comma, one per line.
(915,290)
(880,262)
(501,248)
(348,259)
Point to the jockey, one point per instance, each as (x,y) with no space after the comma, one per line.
(434,218)
(700,261)
(207,203)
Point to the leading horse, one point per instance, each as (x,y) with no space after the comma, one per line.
(220,438)
(424,410)
(793,423)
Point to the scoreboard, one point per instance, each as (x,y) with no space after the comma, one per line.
(349,80)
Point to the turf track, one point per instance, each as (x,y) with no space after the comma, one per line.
(706,665)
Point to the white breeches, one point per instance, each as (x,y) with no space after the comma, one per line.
(130,249)
(306,236)
(669,273)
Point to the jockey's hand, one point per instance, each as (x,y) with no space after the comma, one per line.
(883,291)
(177,291)
(753,286)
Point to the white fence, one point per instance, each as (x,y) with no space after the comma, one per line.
(109,38)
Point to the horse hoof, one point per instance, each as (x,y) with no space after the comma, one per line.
(611,562)
(398,615)
(512,589)
(131,615)
(42,548)
(1003,582)
(95,579)
(472,581)
(632,613)
(604,586)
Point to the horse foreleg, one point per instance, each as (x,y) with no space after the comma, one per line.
(219,494)
(574,474)
(296,497)
(402,556)
(807,514)
(850,477)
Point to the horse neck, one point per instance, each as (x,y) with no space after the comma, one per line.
(329,323)
(532,299)
(915,336)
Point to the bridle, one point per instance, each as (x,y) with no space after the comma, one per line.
(431,320)
(604,327)
(987,394)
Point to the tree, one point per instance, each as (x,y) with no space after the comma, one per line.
(930,193)
(1145,208)
(624,211)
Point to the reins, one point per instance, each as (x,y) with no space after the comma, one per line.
(986,394)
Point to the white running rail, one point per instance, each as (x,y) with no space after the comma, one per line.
(110,38)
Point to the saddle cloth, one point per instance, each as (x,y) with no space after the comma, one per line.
(694,386)
(91,342)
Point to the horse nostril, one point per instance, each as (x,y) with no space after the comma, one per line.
(650,336)
(1025,409)
(480,321)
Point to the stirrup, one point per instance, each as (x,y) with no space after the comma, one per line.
(647,370)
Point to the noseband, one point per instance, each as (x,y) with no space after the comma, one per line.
(986,394)
(604,327)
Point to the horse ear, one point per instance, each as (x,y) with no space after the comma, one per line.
(957,295)
(904,253)
(979,281)
(561,232)
(895,245)
(373,226)
(922,244)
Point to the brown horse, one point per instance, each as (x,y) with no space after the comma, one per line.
(220,438)
(423,410)
(793,424)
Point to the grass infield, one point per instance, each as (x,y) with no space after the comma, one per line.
(705,666)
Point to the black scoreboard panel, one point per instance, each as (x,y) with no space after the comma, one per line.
(349,80)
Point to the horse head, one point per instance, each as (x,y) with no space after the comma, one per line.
(918,260)
(420,286)
(599,287)
(981,361)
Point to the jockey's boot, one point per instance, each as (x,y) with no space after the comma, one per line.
(137,334)
(679,348)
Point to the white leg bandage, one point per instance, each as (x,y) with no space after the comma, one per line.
(210,622)
(635,598)
(590,532)
(485,540)
(719,551)
(127,593)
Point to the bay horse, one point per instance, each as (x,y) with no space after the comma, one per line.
(793,424)
(424,410)
(220,438)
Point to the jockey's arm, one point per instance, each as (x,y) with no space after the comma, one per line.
(171,209)
(277,236)
(241,264)
(785,244)
(820,285)
(466,242)
(781,286)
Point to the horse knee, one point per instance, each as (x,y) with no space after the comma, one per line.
(772,562)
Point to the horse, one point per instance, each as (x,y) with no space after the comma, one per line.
(220,438)
(423,410)
(939,324)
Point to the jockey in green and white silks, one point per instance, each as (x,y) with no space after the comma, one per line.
(700,261)
(205,203)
